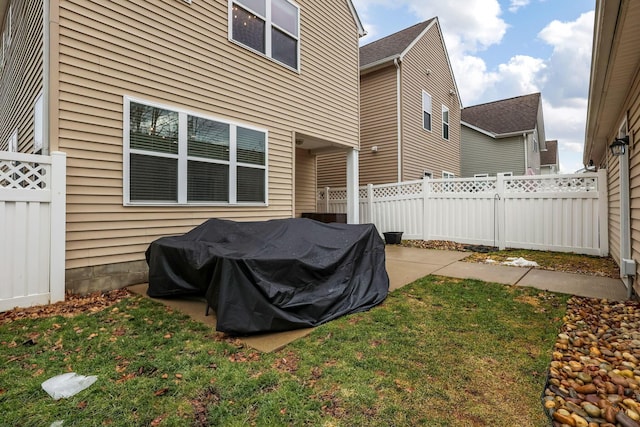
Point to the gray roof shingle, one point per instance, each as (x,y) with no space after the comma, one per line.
(550,156)
(505,116)
(392,45)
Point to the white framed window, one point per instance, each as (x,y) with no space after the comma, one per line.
(481,175)
(507,173)
(12,143)
(445,122)
(269,27)
(173,156)
(426,111)
(38,124)
(448,175)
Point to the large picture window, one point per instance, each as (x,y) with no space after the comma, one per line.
(270,27)
(426,111)
(175,157)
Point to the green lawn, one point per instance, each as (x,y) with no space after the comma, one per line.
(439,352)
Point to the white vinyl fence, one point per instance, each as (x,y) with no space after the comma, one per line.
(32,229)
(563,213)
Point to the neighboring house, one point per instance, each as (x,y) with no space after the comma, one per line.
(409,109)
(505,136)
(171,112)
(549,160)
(614,116)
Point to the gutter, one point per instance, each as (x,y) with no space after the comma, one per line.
(396,62)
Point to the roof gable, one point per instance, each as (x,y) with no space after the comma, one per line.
(507,116)
(393,45)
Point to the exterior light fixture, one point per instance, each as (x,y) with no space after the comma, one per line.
(618,146)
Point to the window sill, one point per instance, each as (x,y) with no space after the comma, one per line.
(257,52)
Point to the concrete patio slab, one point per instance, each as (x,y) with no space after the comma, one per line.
(575,284)
(423,256)
(486,272)
(406,265)
(195,308)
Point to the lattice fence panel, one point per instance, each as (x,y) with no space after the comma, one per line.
(23,175)
(551,185)
(463,186)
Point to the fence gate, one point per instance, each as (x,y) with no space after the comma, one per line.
(32,229)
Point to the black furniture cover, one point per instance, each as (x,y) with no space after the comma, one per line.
(272,275)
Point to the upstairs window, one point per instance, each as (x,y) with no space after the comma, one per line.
(175,157)
(426,111)
(445,122)
(270,27)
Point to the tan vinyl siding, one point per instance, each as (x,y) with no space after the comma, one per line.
(423,149)
(21,76)
(178,54)
(379,127)
(484,154)
(305,182)
(634,173)
(613,175)
(332,169)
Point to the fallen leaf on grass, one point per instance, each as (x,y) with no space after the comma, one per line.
(82,405)
(157,421)
(161,392)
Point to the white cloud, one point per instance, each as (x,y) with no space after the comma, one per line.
(473,27)
(517,4)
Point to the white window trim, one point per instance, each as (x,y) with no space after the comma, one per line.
(427,174)
(424,110)
(448,175)
(506,173)
(268,25)
(38,123)
(446,109)
(481,175)
(12,143)
(183,158)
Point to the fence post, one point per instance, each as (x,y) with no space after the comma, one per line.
(603,213)
(370,203)
(58,226)
(426,193)
(327,196)
(500,206)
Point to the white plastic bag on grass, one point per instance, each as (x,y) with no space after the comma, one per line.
(520,262)
(67,385)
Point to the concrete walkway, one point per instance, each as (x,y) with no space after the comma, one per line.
(406,265)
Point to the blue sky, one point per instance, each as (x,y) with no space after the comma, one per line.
(504,48)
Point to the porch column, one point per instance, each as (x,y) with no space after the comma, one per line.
(353,197)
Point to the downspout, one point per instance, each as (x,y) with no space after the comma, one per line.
(46,71)
(399,118)
(526,154)
(625,226)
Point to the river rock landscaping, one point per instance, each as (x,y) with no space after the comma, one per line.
(594,375)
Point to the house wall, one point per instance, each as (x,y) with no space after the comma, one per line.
(634,173)
(632,110)
(305,182)
(21,75)
(178,54)
(484,154)
(423,149)
(378,127)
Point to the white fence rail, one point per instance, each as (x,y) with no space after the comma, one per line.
(563,213)
(32,229)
